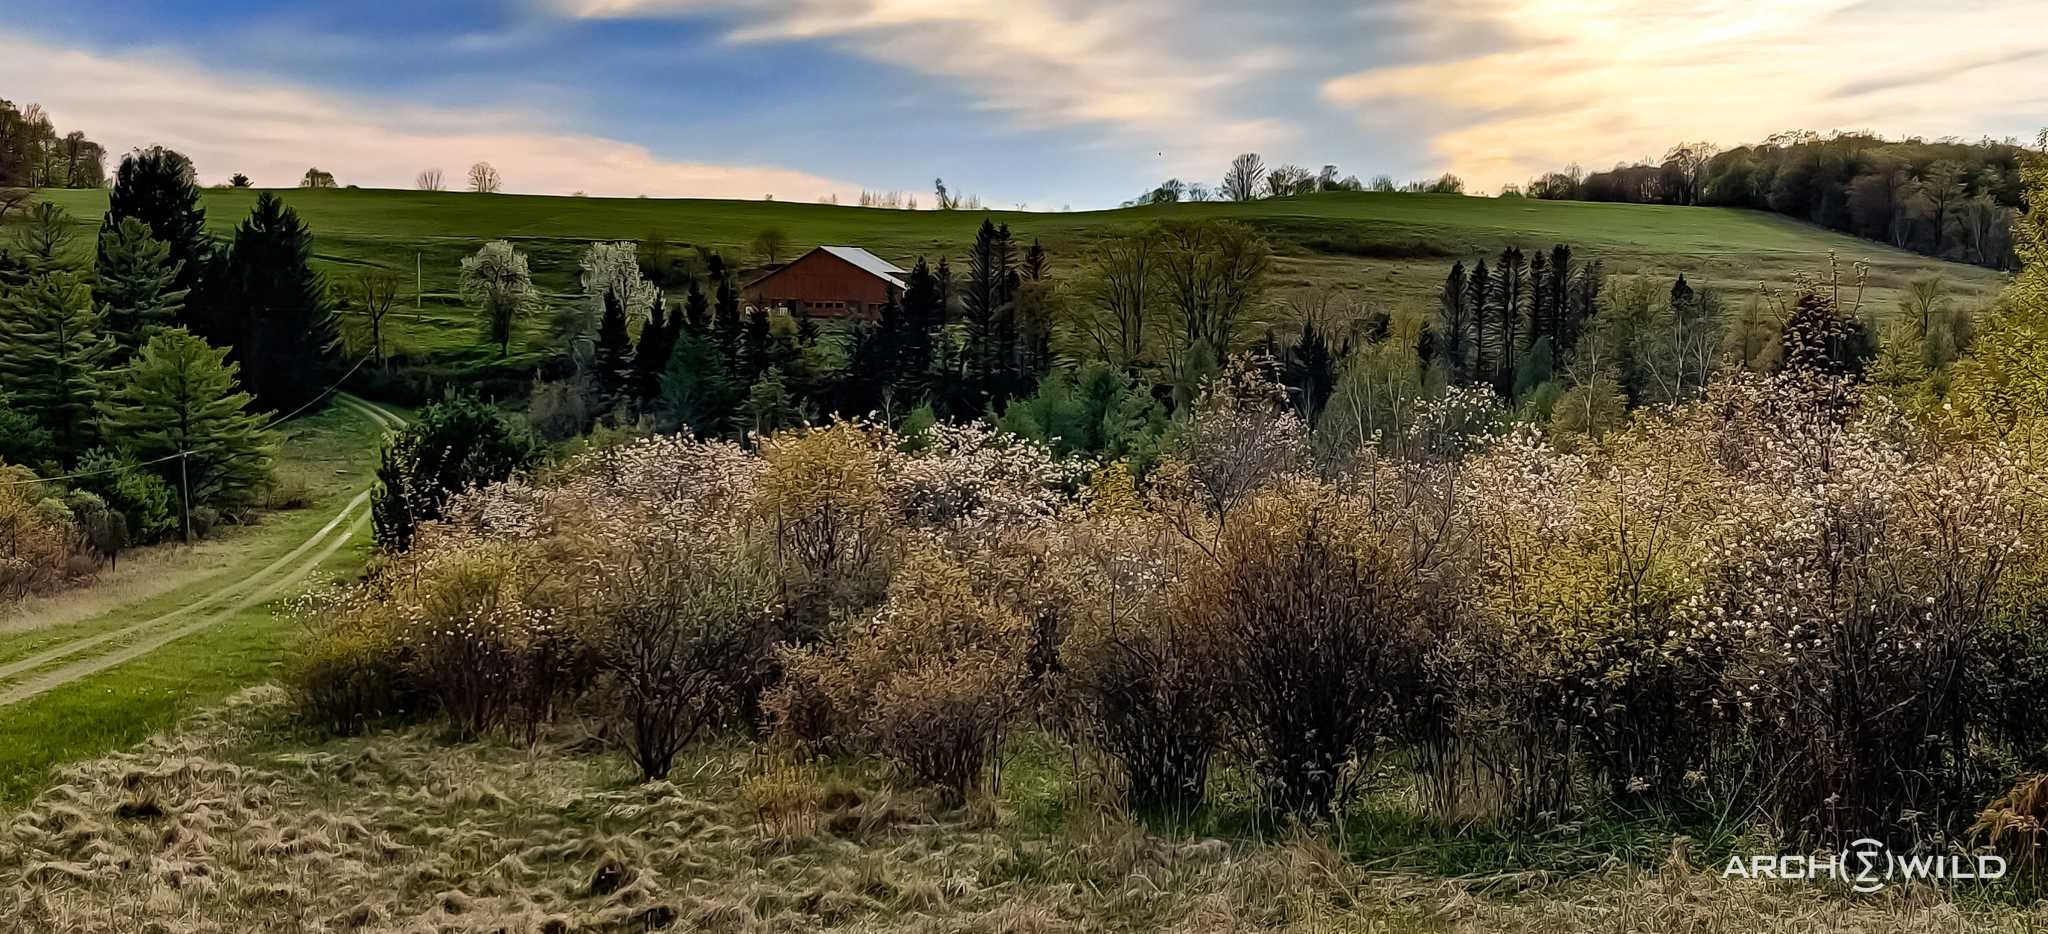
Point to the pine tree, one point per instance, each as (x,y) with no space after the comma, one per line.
(272,310)
(1508,333)
(137,290)
(51,356)
(156,186)
(1453,325)
(696,388)
(1479,302)
(22,441)
(651,355)
(178,396)
(1563,333)
(923,313)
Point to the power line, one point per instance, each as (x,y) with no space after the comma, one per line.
(331,390)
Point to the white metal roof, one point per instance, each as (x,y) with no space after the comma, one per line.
(869,262)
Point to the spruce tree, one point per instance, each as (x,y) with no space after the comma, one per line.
(273,311)
(178,396)
(614,359)
(156,186)
(51,356)
(22,440)
(1479,305)
(651,355)
(137,290)
(696,388)
(1034,267)
(1310,373)
(1453,325)
(1508,334)
(1563,332)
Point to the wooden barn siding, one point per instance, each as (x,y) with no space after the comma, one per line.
(821,277)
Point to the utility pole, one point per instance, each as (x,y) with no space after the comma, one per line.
(185,481)
(419,285)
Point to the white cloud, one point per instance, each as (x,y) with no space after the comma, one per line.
(1153,69)
(1613,80)
(274,133)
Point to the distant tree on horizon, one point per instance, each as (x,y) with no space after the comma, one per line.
(1247,173)
(429,180)
(483,179)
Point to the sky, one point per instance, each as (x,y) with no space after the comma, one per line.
(1041,104)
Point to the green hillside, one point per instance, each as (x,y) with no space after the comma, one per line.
(1379,250)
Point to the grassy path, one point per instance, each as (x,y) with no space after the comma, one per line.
(112,675)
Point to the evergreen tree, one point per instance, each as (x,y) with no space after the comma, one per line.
(51,355)
(696,388)
(178,396)
(755,347)
(651,355)
(1310,373)
(1563,333)
(769,407)
(22,441)
(1453,329)
(137,290)
(456,445)
(272,310)
(728,326)
(1540,313)
(696,309)
(143,499)
(1479,302)
(156,186)
(614,360)
(986,307)
(1034,267)
(42,243)
(1510,308)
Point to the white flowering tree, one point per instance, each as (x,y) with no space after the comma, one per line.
(497,281)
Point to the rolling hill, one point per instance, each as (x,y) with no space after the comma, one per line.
(1373,249)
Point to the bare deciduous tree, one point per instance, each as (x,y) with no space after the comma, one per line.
(1246,173)
(376,292)
(483,179)
(429,180)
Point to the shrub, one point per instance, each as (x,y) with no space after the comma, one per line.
(679,633)
(821,498)
(1141,674)
(455,445)
(929,681)
(1317,620)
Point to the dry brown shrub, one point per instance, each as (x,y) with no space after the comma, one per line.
(2017,824)
(930,681)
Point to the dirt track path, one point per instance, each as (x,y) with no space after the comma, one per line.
(141,638)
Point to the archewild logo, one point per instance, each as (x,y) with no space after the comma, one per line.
(1866,866)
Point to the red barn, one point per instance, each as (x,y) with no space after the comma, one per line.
(831,282)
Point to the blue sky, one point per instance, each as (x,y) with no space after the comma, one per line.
(1047,103)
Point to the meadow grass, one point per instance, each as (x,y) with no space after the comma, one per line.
(1331,241)
(330,455)
(243,820)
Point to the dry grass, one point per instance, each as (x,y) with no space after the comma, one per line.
(237,824)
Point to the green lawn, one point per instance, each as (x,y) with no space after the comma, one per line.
(333,453)
(431,231)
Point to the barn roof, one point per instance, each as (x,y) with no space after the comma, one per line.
(869,262)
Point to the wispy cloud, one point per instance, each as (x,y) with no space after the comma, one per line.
(1169,70)
(274,132)
(1611,80)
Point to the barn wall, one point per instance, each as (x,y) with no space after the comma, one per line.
(827,286)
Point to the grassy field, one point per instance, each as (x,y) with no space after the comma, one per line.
(1325,241)
(242,821)
(329,458)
